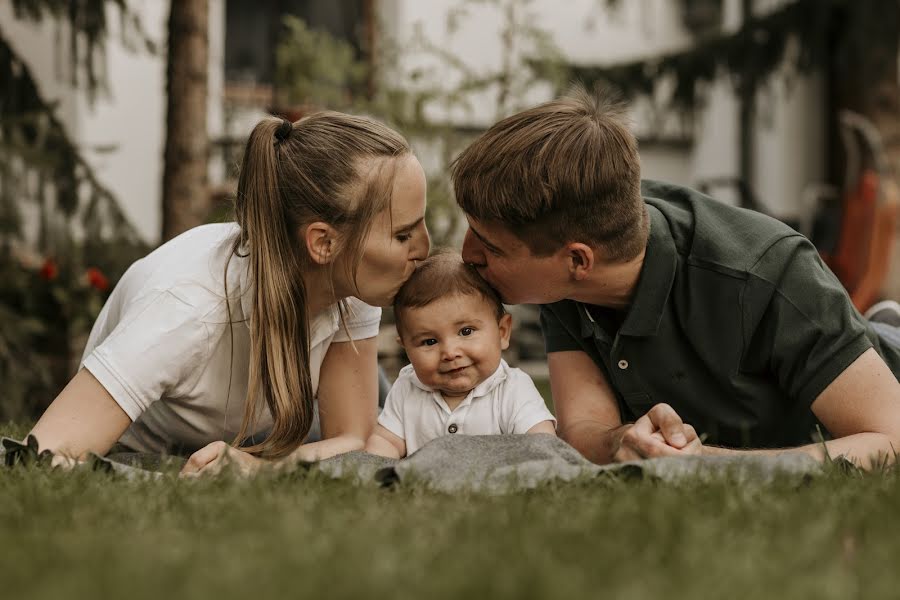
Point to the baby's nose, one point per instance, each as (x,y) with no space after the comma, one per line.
(450,351)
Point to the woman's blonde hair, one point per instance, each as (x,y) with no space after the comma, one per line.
(328,167)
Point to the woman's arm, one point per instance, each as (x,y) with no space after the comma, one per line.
(348,403)
(83,418)
(348,400)
(383,442)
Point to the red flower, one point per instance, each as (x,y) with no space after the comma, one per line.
(97,279)
(49,271)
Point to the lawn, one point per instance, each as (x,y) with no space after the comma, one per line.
(88,535)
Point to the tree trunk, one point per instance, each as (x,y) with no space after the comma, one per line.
(185,200)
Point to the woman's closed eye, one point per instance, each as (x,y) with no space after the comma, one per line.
(403,237)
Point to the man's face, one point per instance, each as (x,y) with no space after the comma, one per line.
(506,263)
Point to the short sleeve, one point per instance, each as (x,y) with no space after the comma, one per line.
(524,405)
(391,417)
(557,338)
(158,343)
(808,332)
(362,321)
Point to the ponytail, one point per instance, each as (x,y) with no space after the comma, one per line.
(279,325)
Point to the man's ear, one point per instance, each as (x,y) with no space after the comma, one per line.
(580,260)
(505,325)
(321,242)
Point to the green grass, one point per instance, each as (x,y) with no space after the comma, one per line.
(88,535)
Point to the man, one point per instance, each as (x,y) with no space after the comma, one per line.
(674,324)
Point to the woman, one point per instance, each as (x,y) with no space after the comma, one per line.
(241,335)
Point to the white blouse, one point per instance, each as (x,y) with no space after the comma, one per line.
(163,348)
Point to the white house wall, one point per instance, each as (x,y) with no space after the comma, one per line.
(122,132)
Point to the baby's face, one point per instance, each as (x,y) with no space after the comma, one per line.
(454,343)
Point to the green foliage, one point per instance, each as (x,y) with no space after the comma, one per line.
(316,69)
(88,29)
(303,535)
(80,227)
(47,307)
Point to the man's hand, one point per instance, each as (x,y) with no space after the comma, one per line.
(660,432)
(212,458)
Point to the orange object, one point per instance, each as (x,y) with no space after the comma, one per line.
(880,247)
(852,252)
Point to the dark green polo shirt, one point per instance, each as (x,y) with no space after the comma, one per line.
(735,322)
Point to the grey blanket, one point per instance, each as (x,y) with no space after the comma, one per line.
(505,463)
(488,463)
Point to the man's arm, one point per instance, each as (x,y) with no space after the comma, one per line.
(861,409)
(589,419)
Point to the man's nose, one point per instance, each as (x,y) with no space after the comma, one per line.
(472,252)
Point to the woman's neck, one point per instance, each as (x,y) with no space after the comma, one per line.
(320,293)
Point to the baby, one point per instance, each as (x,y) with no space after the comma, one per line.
(453,328)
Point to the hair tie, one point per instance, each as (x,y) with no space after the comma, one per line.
(284,130)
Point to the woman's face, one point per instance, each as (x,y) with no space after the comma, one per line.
(398,238)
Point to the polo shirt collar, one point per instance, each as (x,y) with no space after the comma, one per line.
(653,286)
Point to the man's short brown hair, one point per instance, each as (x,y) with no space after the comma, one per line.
(564,171)
(440,275)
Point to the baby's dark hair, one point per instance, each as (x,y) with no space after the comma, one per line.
(443,274)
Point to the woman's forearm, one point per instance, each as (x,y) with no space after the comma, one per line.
(324,449)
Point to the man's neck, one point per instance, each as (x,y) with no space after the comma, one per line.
(610,285)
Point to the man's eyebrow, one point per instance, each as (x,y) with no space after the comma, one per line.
(409,226)
(484,241)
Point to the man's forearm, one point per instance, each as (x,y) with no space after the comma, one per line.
(863,449)
(597,442)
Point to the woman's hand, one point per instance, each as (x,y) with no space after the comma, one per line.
(212,458)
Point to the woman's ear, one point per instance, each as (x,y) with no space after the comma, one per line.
(505,325)
(321,242)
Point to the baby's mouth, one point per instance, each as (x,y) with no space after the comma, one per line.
(455,371)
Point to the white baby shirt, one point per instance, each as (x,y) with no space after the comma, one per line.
(505,402)
(162,345)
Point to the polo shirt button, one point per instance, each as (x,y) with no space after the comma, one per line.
(453,428)
(623,364)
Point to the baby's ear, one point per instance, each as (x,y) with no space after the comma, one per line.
(505,326)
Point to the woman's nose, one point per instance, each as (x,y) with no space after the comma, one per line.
(423,246)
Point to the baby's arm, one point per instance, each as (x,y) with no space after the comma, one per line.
(543,427)
(384,443)
(525,408)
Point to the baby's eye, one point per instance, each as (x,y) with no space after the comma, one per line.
(466,331)
(429,342)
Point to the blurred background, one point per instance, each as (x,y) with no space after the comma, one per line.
(122,122)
